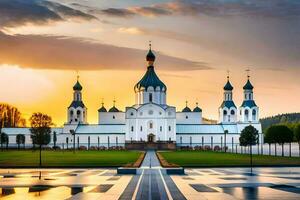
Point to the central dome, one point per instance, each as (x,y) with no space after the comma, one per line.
(150,79)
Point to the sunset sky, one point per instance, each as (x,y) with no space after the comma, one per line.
(44,43)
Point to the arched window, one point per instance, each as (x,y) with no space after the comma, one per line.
(71,112)
(150,125)
(160,128)
(141,128)
(186,117)
(253,112)
(232,112)
(78,112)
(169,128)
(225,112)
(131,113)
(131,128)
(114,117)
(150,97)
(246,112)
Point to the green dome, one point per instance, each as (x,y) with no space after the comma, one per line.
(197,109)
(77,86)
(186,109)
(228,86)
(113,109)
(102,109)
(150,79)
(248,85)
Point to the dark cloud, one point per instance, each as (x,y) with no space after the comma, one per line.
(219,8)
(58,52)
(21,12)
(117,12)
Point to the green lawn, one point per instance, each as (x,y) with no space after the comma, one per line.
(214,159)
(68,159)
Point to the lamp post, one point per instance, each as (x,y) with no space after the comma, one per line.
(73,133)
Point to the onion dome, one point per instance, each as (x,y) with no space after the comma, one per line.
(114,108)
(186,109)
(228,85)
(248,85)
(77,86)
(102,109)
(150,56)
(197,109)
(150,79)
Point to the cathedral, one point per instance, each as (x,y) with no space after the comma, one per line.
(151,121)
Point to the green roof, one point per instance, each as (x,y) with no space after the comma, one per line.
(150,79)
(102,109)
(77,86)
(186,109)
(197,109)
(76,104)
(249,103)
(228,86)
(113,109)
(227,104)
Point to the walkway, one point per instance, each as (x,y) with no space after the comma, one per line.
(150,160)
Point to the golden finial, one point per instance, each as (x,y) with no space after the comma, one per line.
(150,45)
(186,103)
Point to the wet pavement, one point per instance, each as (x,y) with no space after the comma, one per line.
(204,183)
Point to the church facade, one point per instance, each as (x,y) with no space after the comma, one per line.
(151,120)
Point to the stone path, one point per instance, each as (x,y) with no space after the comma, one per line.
(151,160)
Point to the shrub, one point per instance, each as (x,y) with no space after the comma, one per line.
(82,148)
(217,148)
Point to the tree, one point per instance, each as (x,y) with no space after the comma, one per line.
(269,140)
(280,134)
(54,139)
(10,116)
(20,139)
(249,137)
(40,130)
(297,135)
(4,140)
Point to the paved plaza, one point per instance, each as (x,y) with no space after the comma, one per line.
(151,183)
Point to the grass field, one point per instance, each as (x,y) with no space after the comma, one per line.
(215,159)
(68,159)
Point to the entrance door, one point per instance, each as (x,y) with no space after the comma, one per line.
(151,137)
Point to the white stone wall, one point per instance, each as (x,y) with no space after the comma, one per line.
(189,117)
(150,119)
(111,117)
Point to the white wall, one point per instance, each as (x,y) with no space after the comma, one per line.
(189,117)
(138,123)
(111,117)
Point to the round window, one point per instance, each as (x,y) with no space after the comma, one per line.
(150,112)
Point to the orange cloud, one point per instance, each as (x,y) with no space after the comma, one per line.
(58,52)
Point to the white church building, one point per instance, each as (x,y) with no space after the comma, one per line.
(150,120)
